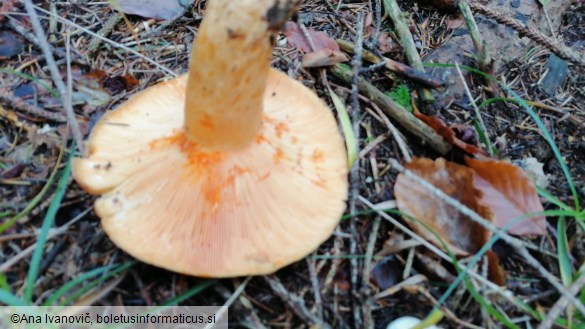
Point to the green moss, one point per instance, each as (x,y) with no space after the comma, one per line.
(401,95)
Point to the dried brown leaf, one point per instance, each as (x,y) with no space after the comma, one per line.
(450,135)
(510,193)
(323,57)
(461,234)
(386,273)
(10,45)
(319,40)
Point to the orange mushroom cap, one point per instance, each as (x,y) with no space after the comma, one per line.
(219,207)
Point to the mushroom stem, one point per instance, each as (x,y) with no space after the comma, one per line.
(229,70)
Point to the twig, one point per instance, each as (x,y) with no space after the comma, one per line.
(562,303)
(484,58)
(109,25)
(371,145)
(476,109)
(377,9)
(55,74)
(395,133)
(18,104)
(315,286)
(394,66)
(367,304)
(396,111)
(229,302)
(354,173)
(407,42)
(18,28)
(560,50)
(307,36)
(514,242)
(296,303)
(52,233)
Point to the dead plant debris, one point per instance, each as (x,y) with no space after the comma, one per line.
(391,273)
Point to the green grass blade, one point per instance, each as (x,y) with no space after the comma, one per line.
(7,298)
(4,283)
(87,287)
(346,127)
(552,199)
(48,221)
(115,269)
(486,305)
(563,253)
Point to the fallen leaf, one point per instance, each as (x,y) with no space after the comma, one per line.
(323,57)
(114,84)
(450,134)
(319,40)
(386,273)
(320,50)
(10,45)
(510,193)
(433,218)
(157,9)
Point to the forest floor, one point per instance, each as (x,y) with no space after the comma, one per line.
(370,271)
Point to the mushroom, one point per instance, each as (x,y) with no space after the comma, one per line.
(408,322)
(232,169)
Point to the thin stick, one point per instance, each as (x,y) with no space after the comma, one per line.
(395,133)
(561,304)
(484,58)
(367,304)
(377,19)
(52,233)
(476,110)
(18,104)
(229,302)
(394,66)
(107,28)
(18,28)
(407,42)
(55,74)
(296,303)
(406,119)
(354,173)
(315,286)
